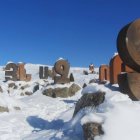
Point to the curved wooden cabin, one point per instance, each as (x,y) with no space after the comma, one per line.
(129,83)
(116,67)
(128,45)
(104,74)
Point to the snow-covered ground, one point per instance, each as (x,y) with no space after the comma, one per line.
(39,117)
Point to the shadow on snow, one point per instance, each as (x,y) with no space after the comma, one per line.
(69,132)
(40,124)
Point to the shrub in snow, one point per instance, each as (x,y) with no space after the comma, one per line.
(89,100)
(91,123)
(24,87)
(84,85)
(91,130)
(4,109)
(85,72)
(1,90)
(93,81)
(28,93)
(12,85)
(73,89)
(92,88)
(71,78)
(57,92)
(63,92)
(36,88)
(60,92)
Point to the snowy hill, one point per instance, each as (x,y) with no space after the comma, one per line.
(38,117)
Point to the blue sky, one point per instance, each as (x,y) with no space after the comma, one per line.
(82,31)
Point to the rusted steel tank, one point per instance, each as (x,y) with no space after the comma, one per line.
(128,45)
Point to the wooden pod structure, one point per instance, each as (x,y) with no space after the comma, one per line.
(11,70)
(43,72)
(61,67)
(128,45)
(129,83)
(104,73)
(21,73)
(116,67)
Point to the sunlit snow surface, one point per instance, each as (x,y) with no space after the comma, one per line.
(45,118)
